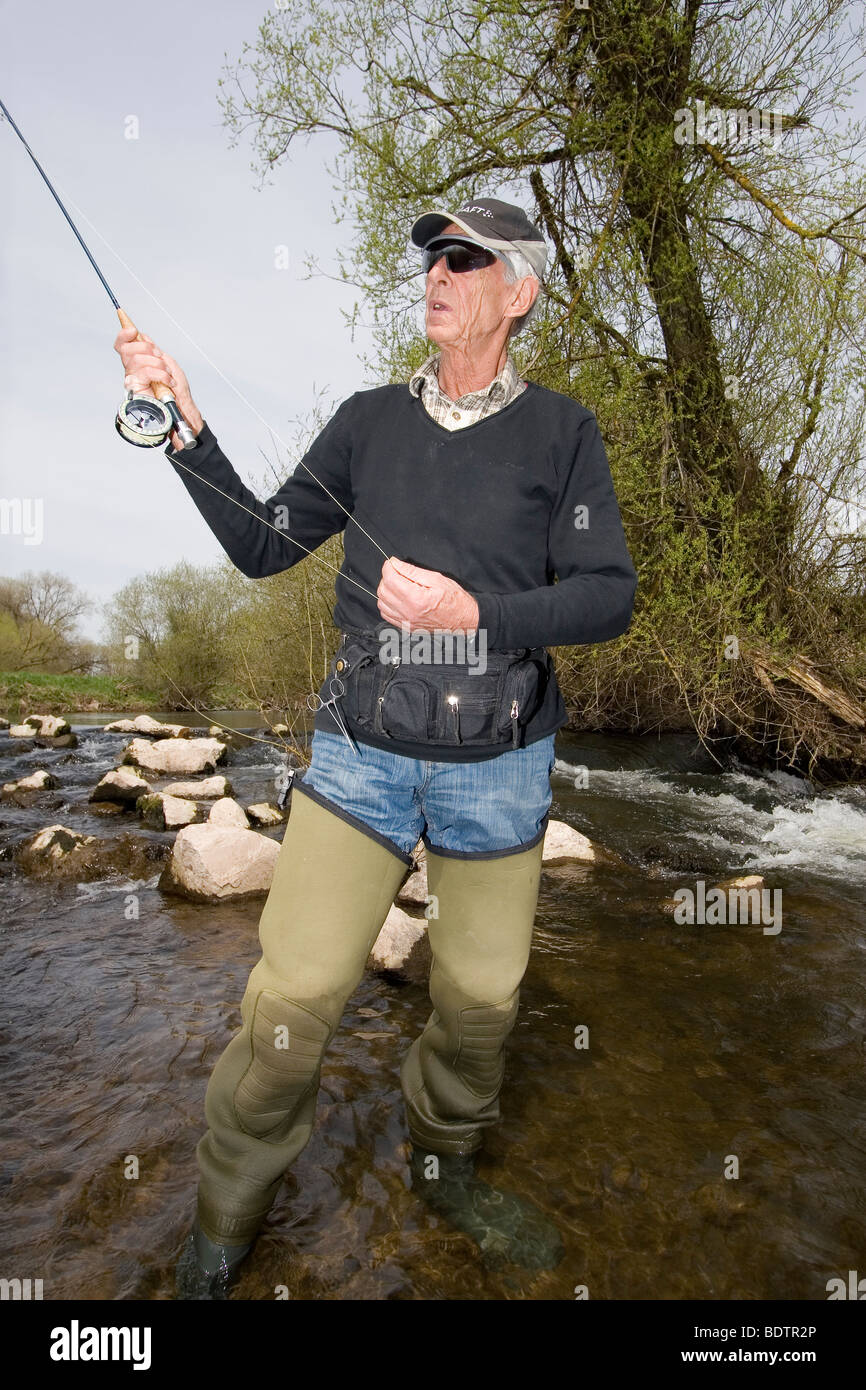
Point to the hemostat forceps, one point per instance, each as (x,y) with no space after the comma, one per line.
(336,690)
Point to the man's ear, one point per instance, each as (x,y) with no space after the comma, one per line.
(527,293)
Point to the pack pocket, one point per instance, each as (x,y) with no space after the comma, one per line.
(355,665)
(466,708)
(405,707)
(522,693)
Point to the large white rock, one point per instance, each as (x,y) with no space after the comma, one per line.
(37,782)
(163,812)
(48,725)
(401,945)
(146,724)
(175,754)
(562,845)
(122,786)
(207,789)
(213,863)
(22,731)
(228,812)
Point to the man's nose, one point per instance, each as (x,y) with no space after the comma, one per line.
(439,272)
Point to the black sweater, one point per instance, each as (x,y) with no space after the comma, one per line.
(502,506)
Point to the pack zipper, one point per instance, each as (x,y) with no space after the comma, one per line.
(455,708)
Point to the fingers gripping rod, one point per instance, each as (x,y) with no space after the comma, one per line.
(129,415)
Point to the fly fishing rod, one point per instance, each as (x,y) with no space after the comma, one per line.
(145,421)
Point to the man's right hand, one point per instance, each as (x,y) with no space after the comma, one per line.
(143,362)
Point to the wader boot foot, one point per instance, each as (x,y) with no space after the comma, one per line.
(206,1270)
(507,1229)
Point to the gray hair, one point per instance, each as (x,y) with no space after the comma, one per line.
(517,267)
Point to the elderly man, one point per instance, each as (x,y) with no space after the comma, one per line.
(491,500)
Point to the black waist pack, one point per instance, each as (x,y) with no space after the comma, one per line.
(451,703)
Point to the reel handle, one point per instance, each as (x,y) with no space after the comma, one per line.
(161,392)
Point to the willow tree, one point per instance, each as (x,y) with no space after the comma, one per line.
(689,164)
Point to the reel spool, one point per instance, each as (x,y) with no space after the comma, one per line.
(147,421)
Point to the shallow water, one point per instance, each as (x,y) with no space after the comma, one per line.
(704,1042)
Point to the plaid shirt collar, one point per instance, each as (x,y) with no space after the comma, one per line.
(475,405)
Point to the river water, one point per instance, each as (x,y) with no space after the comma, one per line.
(711,1049)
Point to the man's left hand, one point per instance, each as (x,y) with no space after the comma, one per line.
(424,599)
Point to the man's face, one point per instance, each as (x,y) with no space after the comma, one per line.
(467,308)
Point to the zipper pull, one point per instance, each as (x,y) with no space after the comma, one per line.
(455,707)
(515,729)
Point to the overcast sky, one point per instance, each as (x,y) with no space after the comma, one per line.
(184,211)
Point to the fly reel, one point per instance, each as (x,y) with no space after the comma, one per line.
(147,422)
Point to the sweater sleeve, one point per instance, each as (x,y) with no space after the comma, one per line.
(587,552)
(300,511)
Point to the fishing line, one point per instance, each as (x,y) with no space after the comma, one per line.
(269,524)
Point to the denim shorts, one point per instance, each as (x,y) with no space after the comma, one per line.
(478,810)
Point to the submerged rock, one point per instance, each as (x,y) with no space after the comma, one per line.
(402,947)
(214,863)
(61,741)
(4,723)
(228,812)
(162,812)
(207,789)
(747,881)
(52,843)
(58,853)
(228,736)
(175,755)
(122,785)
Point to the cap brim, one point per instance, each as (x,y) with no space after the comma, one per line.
(432,224)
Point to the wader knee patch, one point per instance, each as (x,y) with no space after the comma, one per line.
(286,1041)
(483,1029)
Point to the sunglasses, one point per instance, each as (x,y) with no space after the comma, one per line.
(460,256)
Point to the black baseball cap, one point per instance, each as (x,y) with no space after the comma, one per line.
(492,223)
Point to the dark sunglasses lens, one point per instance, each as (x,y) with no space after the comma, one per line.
(459,258)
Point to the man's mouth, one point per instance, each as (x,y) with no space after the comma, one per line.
(438,304)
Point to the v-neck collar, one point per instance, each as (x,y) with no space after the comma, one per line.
(531,386)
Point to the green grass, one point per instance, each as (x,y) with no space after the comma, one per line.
(34,692)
